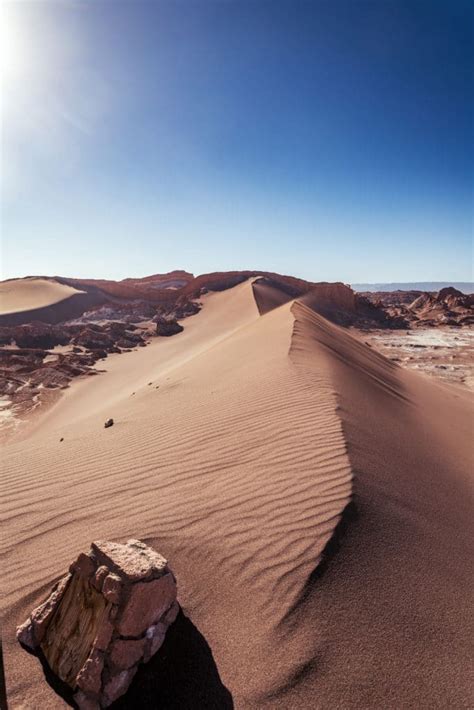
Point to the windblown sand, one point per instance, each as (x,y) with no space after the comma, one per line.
(238,462)
(17,295)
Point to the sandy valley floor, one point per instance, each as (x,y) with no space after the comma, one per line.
(446,353)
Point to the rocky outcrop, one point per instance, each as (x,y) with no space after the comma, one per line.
(390,298)
(423,308)
(183,308)
(34,335)
(90,336)
(167,326)
(29,376)
(31,368)
(155,289)
(95,339)
(127,312)
(447,307)
(106,616)
(334,301)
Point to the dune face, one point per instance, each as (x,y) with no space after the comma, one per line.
(312,498)
(401,575)
(29,300)
(18,295)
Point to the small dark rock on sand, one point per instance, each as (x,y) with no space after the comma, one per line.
(109,422)
(167,326)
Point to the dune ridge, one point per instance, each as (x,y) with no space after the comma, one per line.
(19,295)
(240,468)
(400,581)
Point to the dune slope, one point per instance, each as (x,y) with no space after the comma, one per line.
(240,468)
(393,609)
(31,299)
(19,295)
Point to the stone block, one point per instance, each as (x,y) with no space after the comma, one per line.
(147,603)
(104,618)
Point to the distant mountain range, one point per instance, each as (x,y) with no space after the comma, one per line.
(464,286)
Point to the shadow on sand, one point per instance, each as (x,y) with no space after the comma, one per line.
(183,674)
(348,518)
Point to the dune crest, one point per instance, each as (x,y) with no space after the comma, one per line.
(19,295)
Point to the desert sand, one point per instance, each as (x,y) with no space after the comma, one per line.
(19,295)
(313,499)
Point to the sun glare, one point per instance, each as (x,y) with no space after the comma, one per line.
(12,46)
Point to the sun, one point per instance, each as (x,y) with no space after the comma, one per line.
(12,45)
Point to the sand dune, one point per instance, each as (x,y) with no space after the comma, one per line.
(46,300)
(239,463)
(268,297)
(17,295)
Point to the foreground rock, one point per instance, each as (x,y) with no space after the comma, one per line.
(104,618)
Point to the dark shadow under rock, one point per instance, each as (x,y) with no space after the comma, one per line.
(182,675)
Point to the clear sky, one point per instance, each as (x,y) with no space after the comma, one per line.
(331,140)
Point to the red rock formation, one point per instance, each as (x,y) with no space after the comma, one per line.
(156,288)
(448,307)
(417,308)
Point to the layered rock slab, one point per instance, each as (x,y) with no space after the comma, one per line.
(106,616)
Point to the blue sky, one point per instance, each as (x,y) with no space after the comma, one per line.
(329,140)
